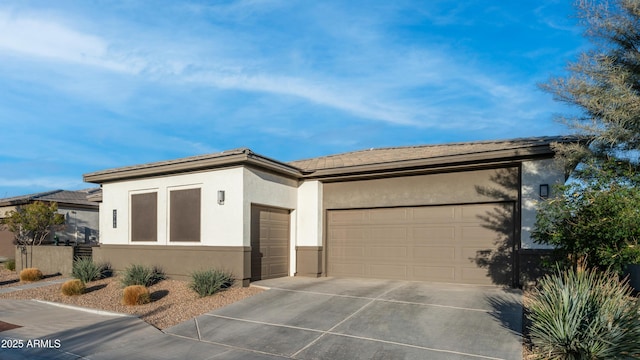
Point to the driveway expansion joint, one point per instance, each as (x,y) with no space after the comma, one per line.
(377,298)
(330,332)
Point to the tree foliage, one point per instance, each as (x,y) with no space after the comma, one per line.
(594,222)
(604,83)
(33,223)
(592,226)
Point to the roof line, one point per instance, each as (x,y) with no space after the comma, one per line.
(542,139)
(194,163)
(521,147)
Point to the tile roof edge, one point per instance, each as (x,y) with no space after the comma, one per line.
(149,165)
(542,139)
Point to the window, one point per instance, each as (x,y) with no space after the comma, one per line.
(144,217)
(184,215)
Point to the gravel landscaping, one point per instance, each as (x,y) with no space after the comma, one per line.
(172,301)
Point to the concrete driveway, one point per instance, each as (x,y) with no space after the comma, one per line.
(327,318)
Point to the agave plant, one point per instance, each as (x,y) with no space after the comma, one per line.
(584,315)
(208,282)
(86,270)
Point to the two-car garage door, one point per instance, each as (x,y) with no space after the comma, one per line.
(469,243)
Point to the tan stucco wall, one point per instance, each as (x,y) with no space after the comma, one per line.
(178,262)
(434,189)
(7,248)
(309,261)
(49,259)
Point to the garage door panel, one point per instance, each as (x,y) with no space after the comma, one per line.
(388,215)
(351,252)
(390,233)
(387,271)
(438,234)
(351,233)
(269,242)
(279,268)
(473,275)
(278,251)
(480,234)
(353,217)
(280,231)
(423,253)
(471,253)
(434,214)
(434,273)
(347,269)
(437,243)
(384,252)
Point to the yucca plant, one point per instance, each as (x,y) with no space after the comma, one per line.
(584,315)
(142,275)
(86,270)
(208,282)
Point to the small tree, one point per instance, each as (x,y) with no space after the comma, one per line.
(595,219)
(32,224)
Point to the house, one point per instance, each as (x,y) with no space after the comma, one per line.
(459,213)
(81,215)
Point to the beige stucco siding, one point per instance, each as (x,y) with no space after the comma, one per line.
(434,189)
(535,173)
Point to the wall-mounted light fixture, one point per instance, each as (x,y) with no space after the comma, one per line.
(220,197)
(544,191)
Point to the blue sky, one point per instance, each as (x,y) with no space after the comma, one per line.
(91,85)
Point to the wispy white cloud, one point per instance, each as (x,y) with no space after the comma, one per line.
(42,38)
(369,95)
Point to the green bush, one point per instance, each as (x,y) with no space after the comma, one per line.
(142,275)
(86,270)
(584,315)
(208,282)
(10,265)
(592,225)
(73,287)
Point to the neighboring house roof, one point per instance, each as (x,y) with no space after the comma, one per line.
(370,161)
(63,197)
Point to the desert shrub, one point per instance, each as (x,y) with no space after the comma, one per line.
(10,265)
(135,295)
(208,282)
(142,275)
(584,315)
(86,270)
(73,287)
(30,274)
(107,270)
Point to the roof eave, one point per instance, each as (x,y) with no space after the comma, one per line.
(187,166)
(431,164)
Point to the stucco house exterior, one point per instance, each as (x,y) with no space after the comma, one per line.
(78,207)
(459,213)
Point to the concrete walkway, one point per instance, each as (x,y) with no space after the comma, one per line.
(32,285)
